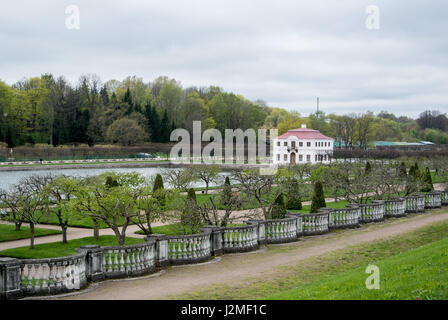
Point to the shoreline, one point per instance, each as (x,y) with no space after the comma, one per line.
(114,165)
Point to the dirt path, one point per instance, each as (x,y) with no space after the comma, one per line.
(182,279)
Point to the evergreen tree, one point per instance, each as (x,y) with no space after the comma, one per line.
(158,183)
(128,99)
(402,170)
(368,167)
(104,96)
(191,195)
(278,210)
(165,128)
(293,199)
(318,200)
(226,195)
(158,190)
(427,179)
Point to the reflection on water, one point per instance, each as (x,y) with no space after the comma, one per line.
(8,178)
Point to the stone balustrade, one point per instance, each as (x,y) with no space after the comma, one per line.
(240,239)
(344,218)
(433,200)
(189,248)
(372,212)
(415,203)
(281,230)
(395,207)
(315,223)
(127,261)
(30,277)
(45,276)
(444,196)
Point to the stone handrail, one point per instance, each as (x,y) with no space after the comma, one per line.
(415,203)
(189,248)
(132,260)
(433,200)
(344,218)
(52,275)
(444,197)
(27,277)
(395,207)
(240,239)
(315,223)
(281,230)
(372,212)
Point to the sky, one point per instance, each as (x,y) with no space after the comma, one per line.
(286,53)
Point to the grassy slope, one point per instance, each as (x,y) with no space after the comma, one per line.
(315,269)
(57,249)
(8,232)
(416,274)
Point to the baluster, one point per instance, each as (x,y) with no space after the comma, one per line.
(44,275)
(36,277)
(109,260)
(121,263)
(116,267)
(51,280)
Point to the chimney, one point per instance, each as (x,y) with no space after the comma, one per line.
(303,125)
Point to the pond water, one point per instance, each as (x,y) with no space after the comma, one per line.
(9,178)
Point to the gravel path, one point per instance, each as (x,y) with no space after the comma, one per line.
(237,267)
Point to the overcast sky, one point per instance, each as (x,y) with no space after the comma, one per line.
(284,52)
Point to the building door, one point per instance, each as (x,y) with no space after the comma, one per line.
(293,158)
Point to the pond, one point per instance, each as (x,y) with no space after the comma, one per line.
(9,178)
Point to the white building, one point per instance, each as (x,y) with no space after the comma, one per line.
(301,146)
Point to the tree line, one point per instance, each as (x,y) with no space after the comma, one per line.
(51,111)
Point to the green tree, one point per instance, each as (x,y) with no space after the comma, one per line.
(293,198)
(278,210)
(427,180)
(318,200)
(125,132)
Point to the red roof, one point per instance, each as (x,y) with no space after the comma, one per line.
(304,133)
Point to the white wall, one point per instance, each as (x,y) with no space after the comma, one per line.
(311,151)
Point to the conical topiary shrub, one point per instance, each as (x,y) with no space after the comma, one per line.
(278,210)
(368,167)
(293,199)
(318,200)
(427,180)
(158,183)
(226,194)
(402,171)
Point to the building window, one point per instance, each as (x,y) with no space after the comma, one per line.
(300,157)
(300,144)
(308,157)
(308,144)
(278,157)
(285,157)
(278,143)
(285,143)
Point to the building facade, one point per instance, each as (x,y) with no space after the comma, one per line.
(301,146)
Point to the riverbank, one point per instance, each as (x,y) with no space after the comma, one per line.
(110,164)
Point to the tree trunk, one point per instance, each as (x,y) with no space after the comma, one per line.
(64,234)
(18,225)
(96,231)
(32,235)
(206,187)
(148,219)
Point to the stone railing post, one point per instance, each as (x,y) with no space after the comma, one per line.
(261,230)
(10,279)
(161,249)
(94,262)
(215,239)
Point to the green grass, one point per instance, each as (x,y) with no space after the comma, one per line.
(335,205)
(313,272)
(416,274)
(57,249)
(8,232)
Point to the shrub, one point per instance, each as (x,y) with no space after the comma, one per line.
(278,210)
(318,200)
(293,199)
(428,186)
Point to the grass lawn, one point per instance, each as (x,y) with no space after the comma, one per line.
(400,261)
(415,274)
(57,249)
(335,205)
(8,232)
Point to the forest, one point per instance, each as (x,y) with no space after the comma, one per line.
(45,111)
